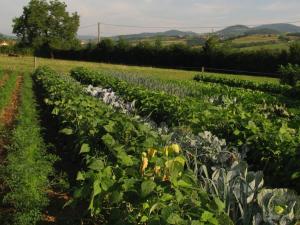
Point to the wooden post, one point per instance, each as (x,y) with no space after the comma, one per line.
(99,34)
(35,62)
(202,69)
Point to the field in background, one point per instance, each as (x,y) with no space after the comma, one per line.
(27,64)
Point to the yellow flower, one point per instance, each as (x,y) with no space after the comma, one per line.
(157,170)
(166,151)
(279,210)
(144,163)
(151,152)
(176,148)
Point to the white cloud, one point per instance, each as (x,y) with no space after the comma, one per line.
(281,6)
(165,13)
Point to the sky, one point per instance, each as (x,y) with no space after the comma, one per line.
(164,13)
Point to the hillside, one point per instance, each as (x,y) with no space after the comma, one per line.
(169,33)
(239,30)
(233,31)
(6,37)
(281,27)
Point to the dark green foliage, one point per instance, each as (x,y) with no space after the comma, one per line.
(28,165)
(266,131)
(181,56)
(46,25)
(290,74)
(113,182)
(265,87)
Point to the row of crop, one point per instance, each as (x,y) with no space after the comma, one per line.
(213,93)
(27,166)
(205,152)
(210,92)
(265,87)
(130,175)
(271,144)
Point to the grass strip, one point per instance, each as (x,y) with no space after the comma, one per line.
(28,165)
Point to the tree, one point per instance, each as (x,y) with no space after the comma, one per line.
(209,49)
(294,52)
(290,74)
(47,25)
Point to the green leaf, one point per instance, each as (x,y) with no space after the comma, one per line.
(96,165)
(147,187)
(96,188)
(184,184)
(144,219)
(220,205)
(166,197)
(209,217)
(123,157)
(174,219)
(108,140)
(85,148)
(116,197)
(80,176)
(66,131)
(195,222)
(179,196)
(110,127)
(236,132)
(296,175)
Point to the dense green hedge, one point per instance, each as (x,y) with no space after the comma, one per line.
(182,56)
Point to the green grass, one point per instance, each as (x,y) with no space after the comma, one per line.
(255,38)
(64,66)
(28,165)
(278,46)
(6,91)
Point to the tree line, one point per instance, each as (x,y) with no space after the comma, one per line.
(183,56)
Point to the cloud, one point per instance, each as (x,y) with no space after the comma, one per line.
(164,13)
(281,6)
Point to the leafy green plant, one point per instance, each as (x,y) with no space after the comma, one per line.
(266,87)
(279,206)
(130,173)
(264,130)
(290,74)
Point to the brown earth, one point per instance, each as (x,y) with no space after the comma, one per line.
(9,112)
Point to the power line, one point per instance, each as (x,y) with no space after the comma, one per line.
(179,27)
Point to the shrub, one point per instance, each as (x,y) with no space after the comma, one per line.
(290,74)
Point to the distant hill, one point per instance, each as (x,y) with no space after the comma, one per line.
(238,30)
(169,33)
(281,27)
(86,37)
(228,33)
(233,31)
(261,31)
(7,37)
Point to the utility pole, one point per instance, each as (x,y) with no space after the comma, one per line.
(99,38)
(35,62)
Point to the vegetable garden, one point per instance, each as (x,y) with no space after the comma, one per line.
(150,151)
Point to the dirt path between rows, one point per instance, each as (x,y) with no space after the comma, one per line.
(9,112)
